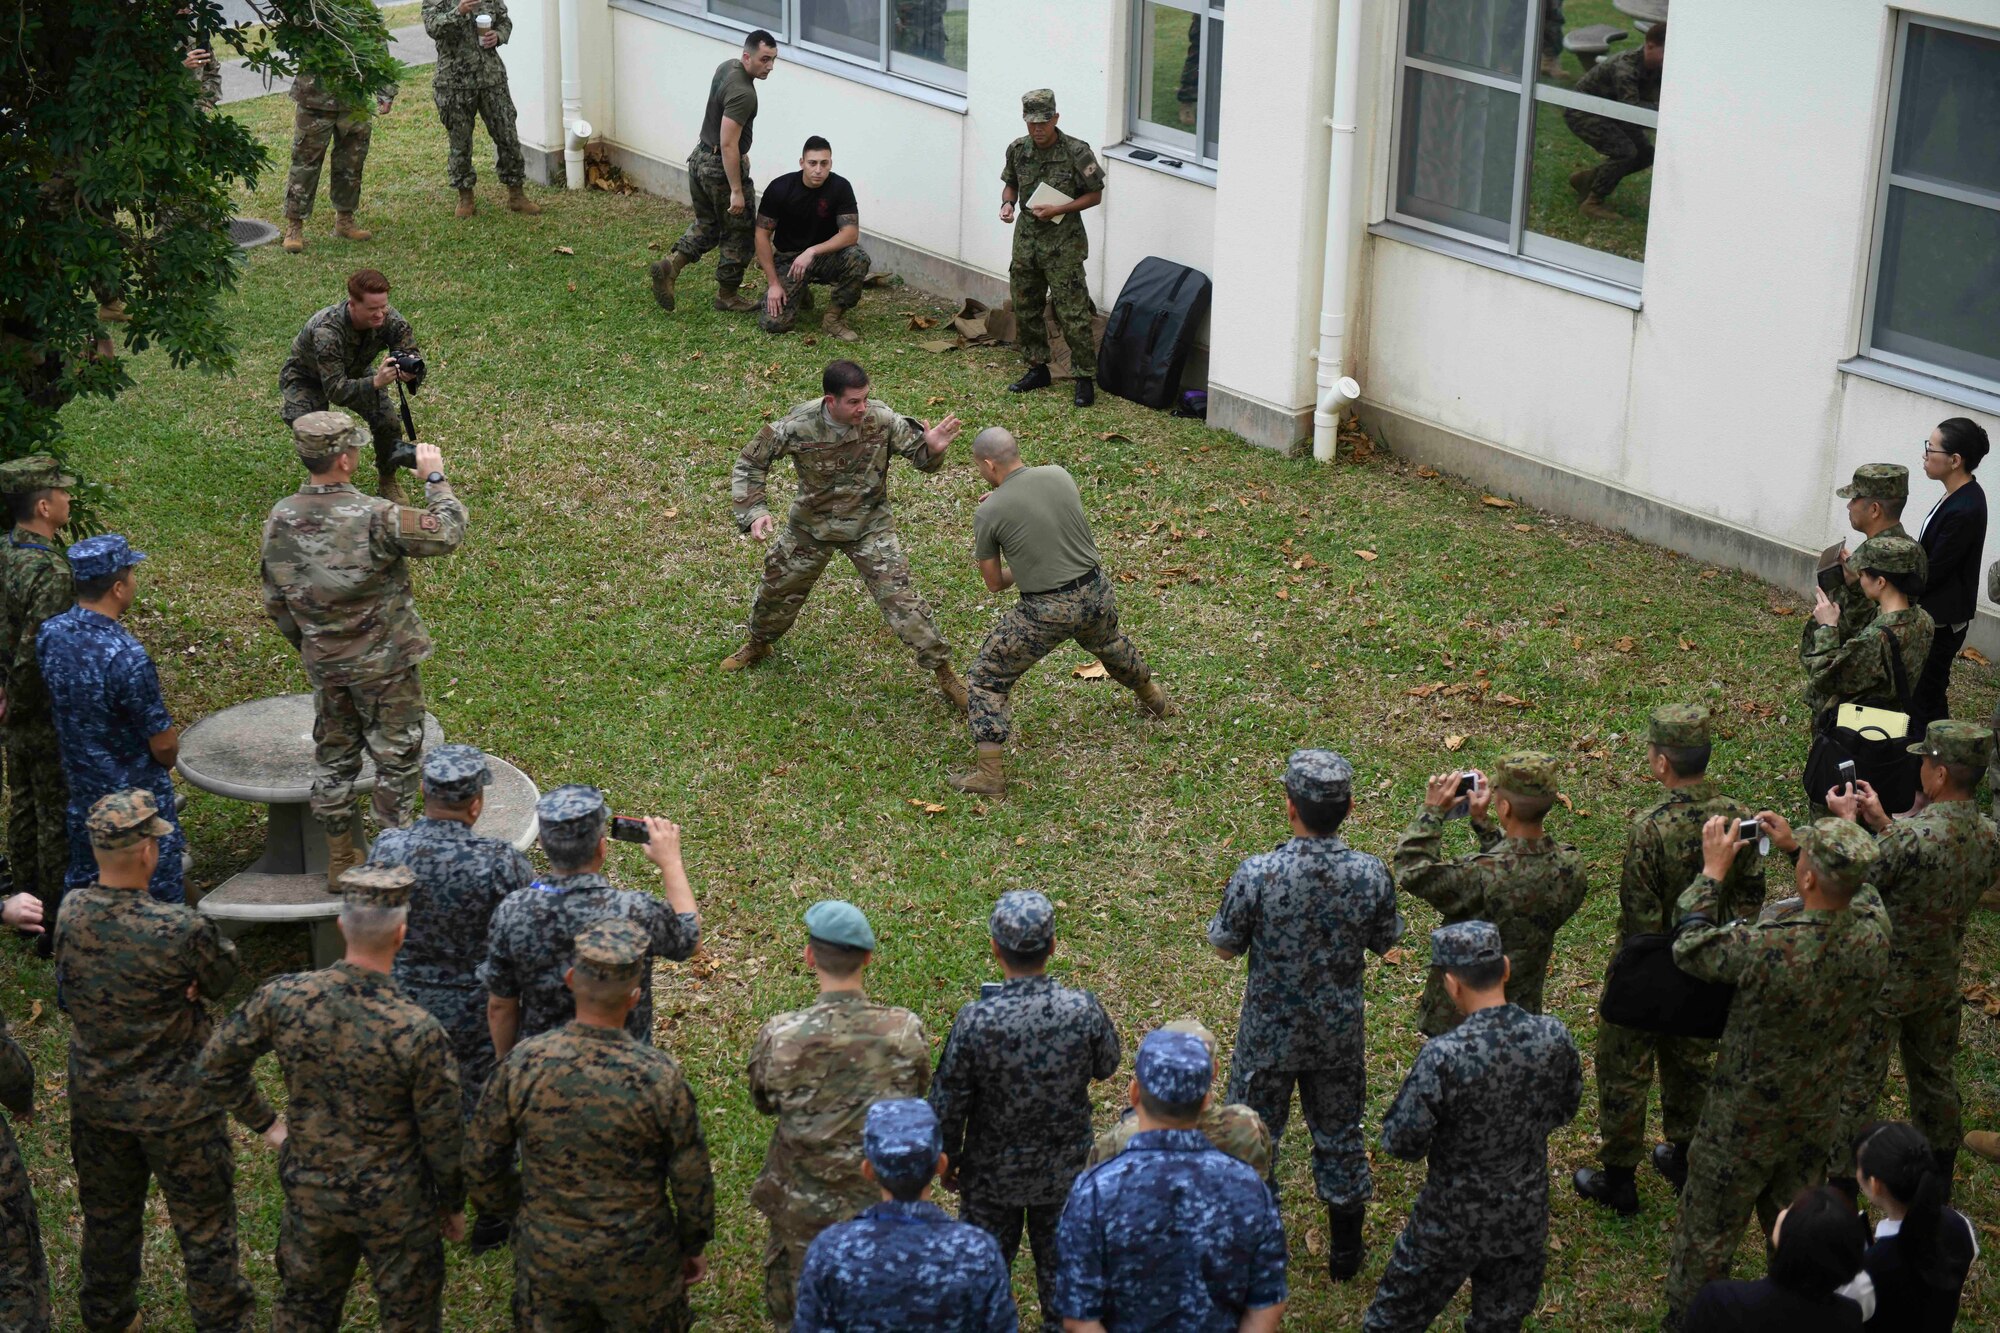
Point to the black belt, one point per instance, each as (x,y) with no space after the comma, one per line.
(1071,586)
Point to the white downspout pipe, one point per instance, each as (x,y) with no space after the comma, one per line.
(1335,389)
(576,130)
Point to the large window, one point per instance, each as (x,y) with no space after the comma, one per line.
(1177,77)
(922,40)
(1934,298)
(1526,127)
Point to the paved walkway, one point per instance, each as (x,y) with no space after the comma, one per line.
(413,46)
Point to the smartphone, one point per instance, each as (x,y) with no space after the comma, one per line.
(1832,579)
(1846,772)
(989,989)
(624,828)
(1466,785)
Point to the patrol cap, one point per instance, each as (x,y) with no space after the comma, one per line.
(1526,773)
(125,818)
(318,436)
(1951,742)
(1194,1027)
(1877,481)
(572,804)
(1174,1067)
(1318,775)
(612,950)
(1465,944)
(1024,921)
(34,472)
(1841,851)
(901,1140)
(95,557)
(1038,105)
(1888,555)
(455,774)
(374,885)
(840,922)
(1678,725)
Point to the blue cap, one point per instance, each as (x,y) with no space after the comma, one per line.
(1318,775)
(569,805)
(1465,944)
(1174,1067)
(95,557)
(841,923)
(1024,921)
(455,773)
(901,1140)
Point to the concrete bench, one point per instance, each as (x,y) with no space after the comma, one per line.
(1590,44)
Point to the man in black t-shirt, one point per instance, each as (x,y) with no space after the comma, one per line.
(808,231)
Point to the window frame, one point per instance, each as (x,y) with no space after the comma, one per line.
(790,27)
(1523,249)
(1888,179)
(1142,132)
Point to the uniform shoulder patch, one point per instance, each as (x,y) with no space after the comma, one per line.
(415,522)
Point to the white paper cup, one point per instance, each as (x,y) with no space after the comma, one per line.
(484,22)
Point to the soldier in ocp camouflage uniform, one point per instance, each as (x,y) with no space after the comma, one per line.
(323,120)
(1860,669)
(817,1070)
(1662,853)
(614,1194)
(1631,77)
(1012,1091)
(371,1166)
(35,585)
(24,1269)
(207,70)
(842,446)
(337,585)
(1050,244)
(1234,1129)
(1930,868)
(134,974)
(333,365)
(471,81)
(904,1264)
(1308,913)
(1805,976)
(1480,1104)
(1523,881)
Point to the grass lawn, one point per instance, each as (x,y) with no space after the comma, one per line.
(1283,604)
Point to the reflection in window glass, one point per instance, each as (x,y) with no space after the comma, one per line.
(1479,34)
(1938,298)
(1170,74)
(1568,170)
(1211,120)
(1948,126)
(931,30)
(1455,154)
(768,14)
(852,27)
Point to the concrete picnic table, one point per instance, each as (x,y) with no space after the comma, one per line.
(1647,11)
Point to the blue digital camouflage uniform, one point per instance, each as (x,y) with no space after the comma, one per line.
(1480,1102)
(24,1271)
(531,942)
(1305,912)
(904,1268)
(105,698)
(1012,1093)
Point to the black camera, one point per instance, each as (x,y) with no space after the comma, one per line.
(411,365)
(624,828)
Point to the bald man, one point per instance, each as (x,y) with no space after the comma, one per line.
(1030,533)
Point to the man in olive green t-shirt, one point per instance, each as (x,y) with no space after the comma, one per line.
(719,185)
(1030,533)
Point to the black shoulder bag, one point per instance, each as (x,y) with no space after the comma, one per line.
(1881,760)
(1647,990)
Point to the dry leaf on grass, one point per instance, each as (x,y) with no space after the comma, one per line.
(1687,645)
(940,345)
(1395,956)
(1576,641)
(1777,610)
(1511,701)
(564,250)
(1428,473)
(1305,562)
(920,321)
(1090,671)
(1495,502)
(1284,594)
(1454,743)
(1980,996)
(1974,656)
(1114,435)
(1127,576)
(1624,643)
(1424,691)
(928,807)
(34,1012)
(1522,527)
(1366,555)
(933,402)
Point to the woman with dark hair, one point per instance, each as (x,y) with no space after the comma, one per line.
(1923,1250)
(1889,650)
(1816,1247)
(1954,541)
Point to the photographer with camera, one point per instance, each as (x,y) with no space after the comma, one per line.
(330,367)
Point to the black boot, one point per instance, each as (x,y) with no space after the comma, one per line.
(1036,378)
(490,1232)
(1947,1162)
(1671,1161)
(1613,1188)
(1086,391)
(1344,1249)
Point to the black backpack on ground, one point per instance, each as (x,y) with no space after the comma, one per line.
(1151,328)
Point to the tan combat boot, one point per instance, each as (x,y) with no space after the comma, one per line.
(731,302)
(295,236)
(834,326)
(750,654)
(468,204)
(113,312)
(340,858)
(518,201)
(664,274)
(1580,181)
(1152,698)
(389,486)
(1990,900)
(951,687)
(986,776)
(1593,207)
(345,227)
(1985,1143)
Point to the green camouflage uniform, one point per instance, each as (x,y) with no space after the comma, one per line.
(1526,888)
(818,1070)
(1804,981)
(34,585)
(1930,869)
(1855,608)
(1047,266)
(1625,146)
(322,120)
(1662,853)
(337,584)
(843,271)
(471,81)
(1858,670)
(842,506)
(208,79)
(24,1271)
(332,366)
(372,1158)
(138,1107)
(708,183)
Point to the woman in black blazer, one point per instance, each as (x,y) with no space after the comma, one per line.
(1923,1250)
(1954,542)
(1816,1250)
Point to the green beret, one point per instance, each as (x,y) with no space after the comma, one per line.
(1877,481)
(1679,725)
(1889,555)
(1842,851)
(1951,742)
(35,472)
(840,923)
(1526,773)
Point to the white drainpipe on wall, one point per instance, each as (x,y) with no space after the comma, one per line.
(576,130)
(1335,390)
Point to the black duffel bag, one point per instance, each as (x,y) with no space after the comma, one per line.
(1883,761)
(1647,990)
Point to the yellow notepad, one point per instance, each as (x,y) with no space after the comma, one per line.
(1880,723)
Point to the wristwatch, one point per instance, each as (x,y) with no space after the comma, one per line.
(434,478)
